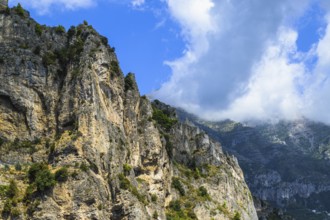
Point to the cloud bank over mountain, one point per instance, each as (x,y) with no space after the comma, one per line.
(242,61)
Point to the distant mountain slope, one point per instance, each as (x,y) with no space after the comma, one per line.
(286,164)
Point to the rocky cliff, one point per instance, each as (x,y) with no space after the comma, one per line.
(78,142)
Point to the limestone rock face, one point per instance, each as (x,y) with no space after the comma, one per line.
(65,103)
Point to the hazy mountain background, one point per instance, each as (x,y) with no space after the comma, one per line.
(285,163)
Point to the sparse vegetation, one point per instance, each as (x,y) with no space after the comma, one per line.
(38,29)
(60,29)
(127,169)
(155,215)
(163,119)
(129,82)
(202,192)
(40,176)
(224,209)
(19,10)
(114,66)
(62,174)
(176,184)
(18,166)
(237,216)
(104,41)
(154,198)
(76,49)
(84,167)
(71,31)
(37,50)
(49,58)
(12,190)
(125,184)
(176,211)
(175,205)
(6,210)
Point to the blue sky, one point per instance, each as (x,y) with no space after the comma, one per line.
(238,59)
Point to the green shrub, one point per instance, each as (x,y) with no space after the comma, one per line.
(163,119)
(124,183)
(49,58)
(32,207)
(6,168)
(44,180)
(37,50)
(142,198)
(71,31)
(191,214)
(75,49)
(15,213)
(176,184)
(34,170)
(62,174)
(114,66)
(127,169)
(84,167)
(175,205)
(155,215)
(6,210)
(18,167)
(104,41)
(40,176)
(202,191)
(129,82)
(237,216)
(12,190)
(3,190)
(154,198)
(60,29)
(19,10)
(29,193)
(38,29)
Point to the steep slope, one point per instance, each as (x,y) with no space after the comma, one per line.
(286,163)
(78,142)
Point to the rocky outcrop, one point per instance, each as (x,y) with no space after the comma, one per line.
(78,142)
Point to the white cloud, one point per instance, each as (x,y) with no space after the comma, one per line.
(272,91)
(241,62)
(137,3)
(317,97)
(44,6)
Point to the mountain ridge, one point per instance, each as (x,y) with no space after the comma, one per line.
(77,141)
